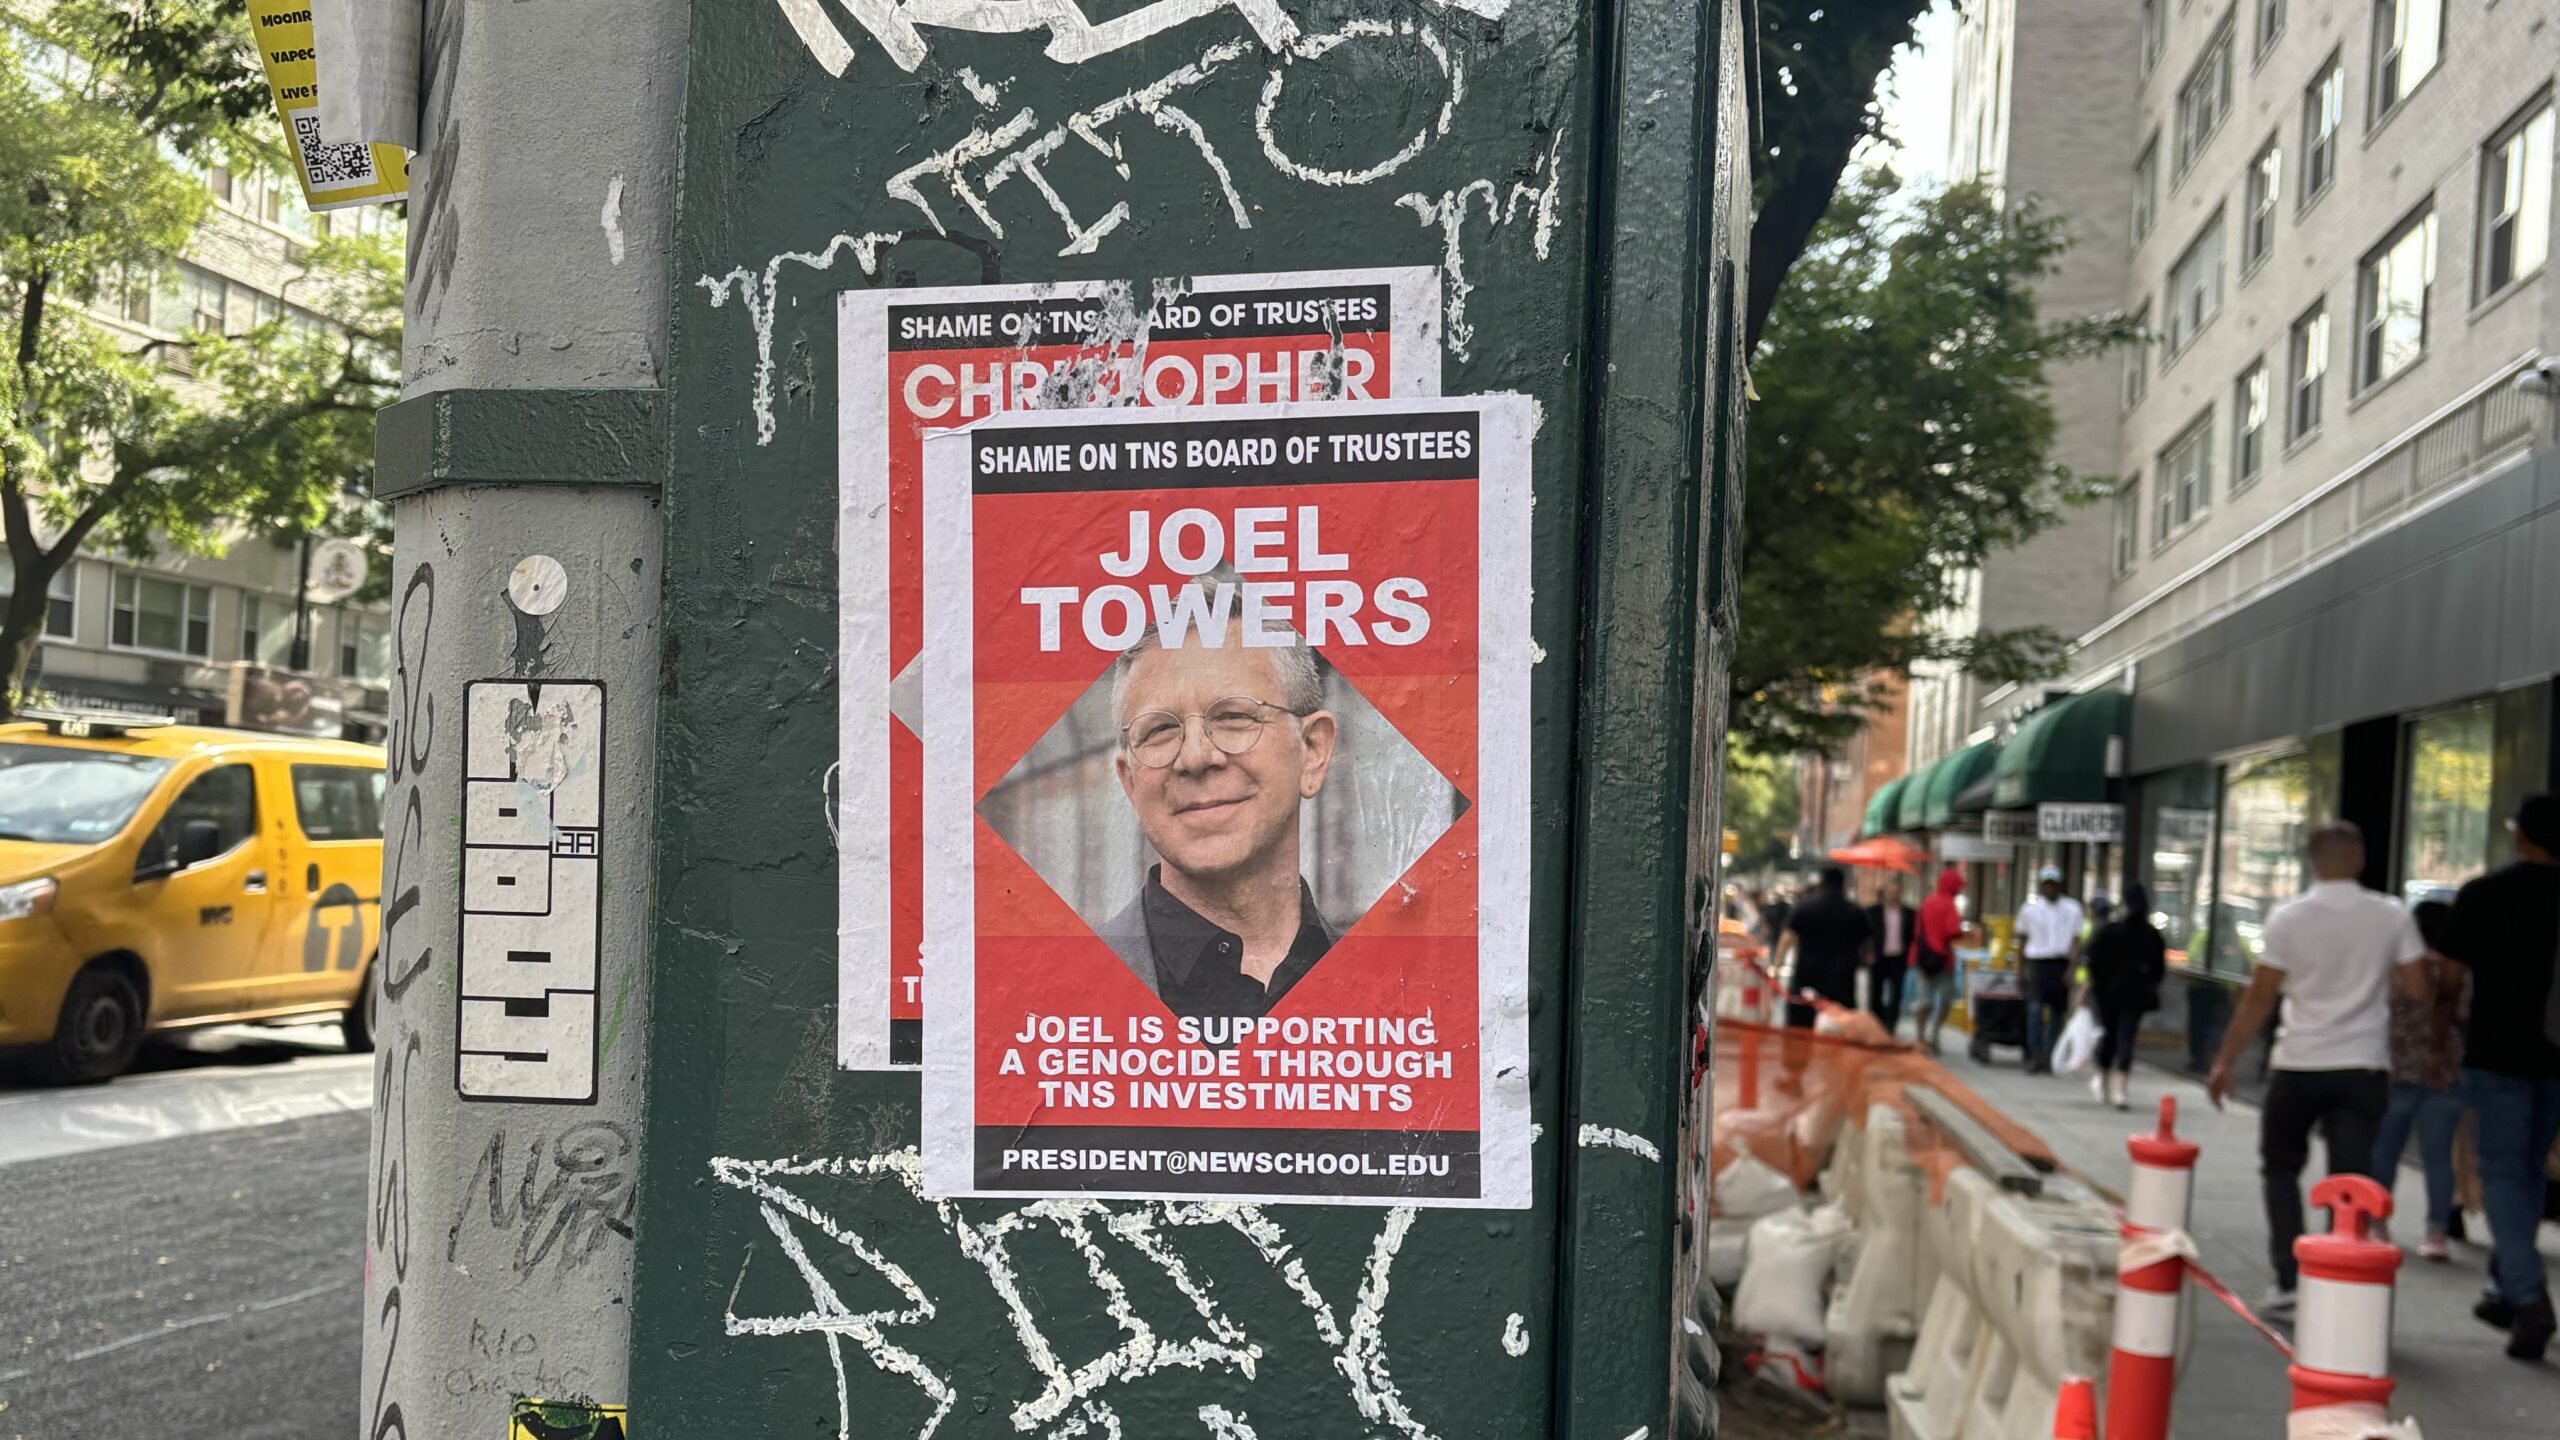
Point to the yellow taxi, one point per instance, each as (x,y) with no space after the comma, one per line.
(157,876)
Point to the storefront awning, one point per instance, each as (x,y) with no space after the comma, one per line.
(2060,753)
(1906,809)
(1974,799)
(1946,781)
(1883,809)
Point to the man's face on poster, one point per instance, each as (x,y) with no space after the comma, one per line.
(1208,812)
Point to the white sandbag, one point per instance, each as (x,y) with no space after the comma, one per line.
(1728,1243)
(1785,1267)
(1749,1188)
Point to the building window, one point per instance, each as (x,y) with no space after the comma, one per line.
(2324,111)
(2249,425)
(2195,286)
(2270,25)
(2408,37)
(62,596)
(266,630)
(2128,533)
(2137,358)
(2515,203)
(2204,98)
(2270,803)
(2306,363)
(2155,33)
(2266,182)
(150,613)
(2185,480)
(2146,189)
(2393,284)
(364,648)
(2445,839)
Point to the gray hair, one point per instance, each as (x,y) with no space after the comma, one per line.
(1293,664)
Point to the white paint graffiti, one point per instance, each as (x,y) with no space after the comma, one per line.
(1515,1336)
(1074,36)
(1449,212)
(1225,1424)
(1596,1137)
(757,291)
(1075,1398)
(975,167)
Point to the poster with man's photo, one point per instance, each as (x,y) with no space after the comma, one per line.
(909,359)
(1226,804)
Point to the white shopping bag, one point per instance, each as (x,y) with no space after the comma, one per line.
(2078,1045)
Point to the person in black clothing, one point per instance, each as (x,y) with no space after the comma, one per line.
(1892,928)
(2127,961)
(1827,936)
(2506,931)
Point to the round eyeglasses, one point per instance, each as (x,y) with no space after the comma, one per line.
(1234,725)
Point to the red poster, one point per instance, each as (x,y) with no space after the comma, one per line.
(1226,803)
(919,358)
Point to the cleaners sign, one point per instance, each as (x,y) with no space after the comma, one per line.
(915,359)
(1226,803)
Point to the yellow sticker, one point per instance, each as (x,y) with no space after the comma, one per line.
(333,176)
(565,1420)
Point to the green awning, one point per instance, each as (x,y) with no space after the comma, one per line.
(2060,753)
(1950,778)
(1915,790)
(1882,809)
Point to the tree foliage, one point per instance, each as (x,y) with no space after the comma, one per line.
(103,106)
(1761,806)
(1820,61)
(1901,435)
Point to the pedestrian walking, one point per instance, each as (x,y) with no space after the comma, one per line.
(2426,1061)
(1826,936)
(1894,929)
(2127,961)
(2506,932)
(1933,959)
(2049,938)
(2333,955)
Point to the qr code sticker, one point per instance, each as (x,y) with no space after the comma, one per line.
(326,166)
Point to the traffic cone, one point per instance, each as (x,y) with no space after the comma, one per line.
(2075,1410)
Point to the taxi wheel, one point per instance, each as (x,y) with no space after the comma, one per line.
(98,1032)
(357,1024)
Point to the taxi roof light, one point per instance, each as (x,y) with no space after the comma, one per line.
(94,724)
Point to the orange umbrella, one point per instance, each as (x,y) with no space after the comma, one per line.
(1883,852)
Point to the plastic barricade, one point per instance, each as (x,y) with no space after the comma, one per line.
(1875,1305)
(2023,1301)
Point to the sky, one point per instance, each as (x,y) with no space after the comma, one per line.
(1918,92)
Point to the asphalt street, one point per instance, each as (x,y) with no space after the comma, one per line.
(181,1251)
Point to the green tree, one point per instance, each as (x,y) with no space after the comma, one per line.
(104,105)
(1901,435)
(1760,806)
(1820,62)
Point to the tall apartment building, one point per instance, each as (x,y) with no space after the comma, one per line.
(2330,579)
(164,635)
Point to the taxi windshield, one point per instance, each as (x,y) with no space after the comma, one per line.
(61,796)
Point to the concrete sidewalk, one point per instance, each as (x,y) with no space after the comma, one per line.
(2454,1377)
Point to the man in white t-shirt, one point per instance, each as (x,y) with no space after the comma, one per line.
(2049,942)
(2332,956)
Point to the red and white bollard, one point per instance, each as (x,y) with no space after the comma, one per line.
(2151,1275)
(2342,1343)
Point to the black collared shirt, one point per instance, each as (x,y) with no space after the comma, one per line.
(1200,968)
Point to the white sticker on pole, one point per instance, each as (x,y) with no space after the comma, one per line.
(532,891)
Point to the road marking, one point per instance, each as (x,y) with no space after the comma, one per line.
(47,1124)
(254,1307)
